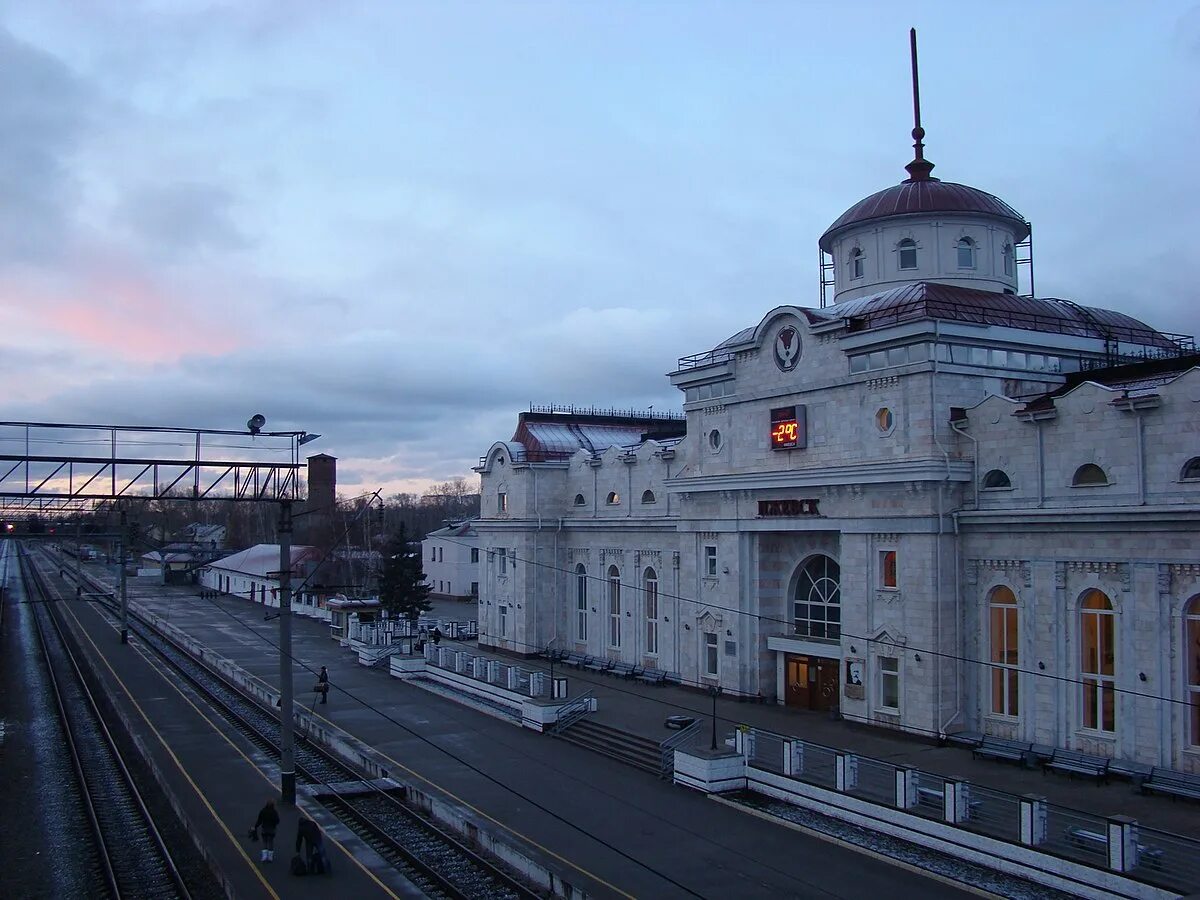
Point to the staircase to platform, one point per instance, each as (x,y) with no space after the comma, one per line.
(622,746)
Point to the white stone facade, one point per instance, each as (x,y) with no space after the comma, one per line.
(860,569)
(450,559)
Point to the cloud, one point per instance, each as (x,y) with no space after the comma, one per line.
(181,218)
(43,114)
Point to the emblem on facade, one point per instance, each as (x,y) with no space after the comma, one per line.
(787,348)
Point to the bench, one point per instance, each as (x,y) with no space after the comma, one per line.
(1168,781)
(576,661)
(1073,762)
(599,665)
(999,748)
(1086,839)
(652,676)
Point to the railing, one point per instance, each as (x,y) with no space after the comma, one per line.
(572,712)
(1159,858)
(669,746)
(699,360)
(606,412)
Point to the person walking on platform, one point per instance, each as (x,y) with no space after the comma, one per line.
(266,825)
(308,835)
(323,685)
(437,636)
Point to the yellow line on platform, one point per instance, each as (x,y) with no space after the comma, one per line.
(236,843)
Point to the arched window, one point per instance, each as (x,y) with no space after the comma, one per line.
(1002,639)
(613,498)
(1007,253)
(966,253)
(1190,470)
(1191,653)
(614,607)
(650,590)
(1097,661)
(579,501)
(857,263)
(648,496)
(817,611)
(996,479)
(581,603)
(1087,475)
(907,251)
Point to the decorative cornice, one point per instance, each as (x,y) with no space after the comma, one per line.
(854,476)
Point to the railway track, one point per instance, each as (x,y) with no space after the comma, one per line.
(436,861)
(134,860)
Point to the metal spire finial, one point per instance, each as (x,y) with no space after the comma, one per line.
(920,167)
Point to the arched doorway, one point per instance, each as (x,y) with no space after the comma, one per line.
(811,681)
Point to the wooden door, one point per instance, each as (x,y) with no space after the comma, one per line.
(797,672)
(825,687)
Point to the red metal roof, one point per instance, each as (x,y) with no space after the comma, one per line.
(932,300)
(922,197)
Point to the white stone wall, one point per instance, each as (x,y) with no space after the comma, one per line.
(447,564)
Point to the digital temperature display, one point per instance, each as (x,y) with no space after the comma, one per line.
(788,428)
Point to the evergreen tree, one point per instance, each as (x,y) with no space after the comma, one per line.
(401,587)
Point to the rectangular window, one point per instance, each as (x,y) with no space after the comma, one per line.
(474,588)
(433,554)
(503,555)
(503,620)
(887,570)
(858,363)
(1098,669)
(1005,674)
(651,617)
(614,611)
(581,605)
(474,554)
(711,657)
(877,359)
(889,683)
(502,501)
(1193,675)
(710,561)
(897,356)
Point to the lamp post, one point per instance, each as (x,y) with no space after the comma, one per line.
(287,762)
(715,692)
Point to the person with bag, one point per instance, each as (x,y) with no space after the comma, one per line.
(323,685)
(308,836)
(266,824)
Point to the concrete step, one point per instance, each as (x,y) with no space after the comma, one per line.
(614,743)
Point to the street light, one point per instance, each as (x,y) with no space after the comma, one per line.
(715,692)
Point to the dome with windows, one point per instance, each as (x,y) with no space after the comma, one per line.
(922,197)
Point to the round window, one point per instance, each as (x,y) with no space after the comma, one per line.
(714,440)
(884,420)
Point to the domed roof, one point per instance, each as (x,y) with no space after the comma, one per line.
(922,196)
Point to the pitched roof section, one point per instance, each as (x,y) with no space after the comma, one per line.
(924,197)
(931,300)
(553,435)
(263,560)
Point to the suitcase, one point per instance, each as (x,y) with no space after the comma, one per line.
(299,867)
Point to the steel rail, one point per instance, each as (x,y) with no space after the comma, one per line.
(33,577)
(343,801)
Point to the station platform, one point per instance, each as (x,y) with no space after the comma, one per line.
(607,828)
(218,781)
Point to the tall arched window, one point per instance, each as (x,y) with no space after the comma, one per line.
(650,590)
(817,610)
(907,253)
(648,496)
(1007,253)
(613,498)
(581,603)
(966,253)
(614,607)
(857,263)
(1191,653)
(1002,635)
(1098,661)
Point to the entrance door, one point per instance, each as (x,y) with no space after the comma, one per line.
(810,682)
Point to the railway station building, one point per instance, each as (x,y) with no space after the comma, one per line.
(931,500)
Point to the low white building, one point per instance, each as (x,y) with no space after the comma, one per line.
(254,575)
(935,503)
(450,561)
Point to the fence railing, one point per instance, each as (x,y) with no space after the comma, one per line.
(530,683)
(387,632)
(669,746)
(1113,843)
(572,712)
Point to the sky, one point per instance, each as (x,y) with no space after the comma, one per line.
(397,224)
